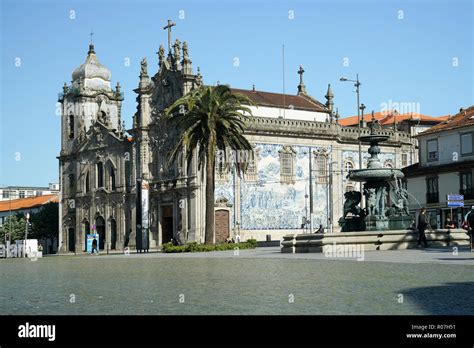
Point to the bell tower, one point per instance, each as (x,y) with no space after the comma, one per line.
(87,101)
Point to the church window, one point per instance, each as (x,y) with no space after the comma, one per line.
(251,170)
(287,165)
(321,168)
(71,126)
(112,179)
(88,184)
(100,174)
(404,159)
(222,171)
(72,181)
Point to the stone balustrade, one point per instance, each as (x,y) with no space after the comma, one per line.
(300,128)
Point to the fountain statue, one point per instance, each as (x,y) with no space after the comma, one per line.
(386,201)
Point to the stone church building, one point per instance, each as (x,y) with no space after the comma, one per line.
(114,181)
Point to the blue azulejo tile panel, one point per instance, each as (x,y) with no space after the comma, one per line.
(270,204)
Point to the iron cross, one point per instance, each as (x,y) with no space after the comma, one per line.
(169,26)
(92,33)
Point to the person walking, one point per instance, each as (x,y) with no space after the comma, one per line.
(470,224)
(94,247)
(470,219)
(422,224)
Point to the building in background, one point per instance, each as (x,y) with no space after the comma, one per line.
(18,192)
(295,137)
(25,205)
(411,123)
(446,166)
(31,205)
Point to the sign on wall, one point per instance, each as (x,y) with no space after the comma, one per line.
(90,239)
(145,205)
(143,213)
(455,201)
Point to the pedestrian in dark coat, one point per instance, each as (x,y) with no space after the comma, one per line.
(422,224)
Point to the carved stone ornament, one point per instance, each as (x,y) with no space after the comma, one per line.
(222,202)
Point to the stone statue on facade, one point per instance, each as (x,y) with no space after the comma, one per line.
(143,67)
(161,55)
(82,130)
(176,47)
(198,77)
(185,50)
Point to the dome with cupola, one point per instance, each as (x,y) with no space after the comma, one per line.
(92,74)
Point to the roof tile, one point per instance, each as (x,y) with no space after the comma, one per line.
(462,119)
(276,100)
(27,203)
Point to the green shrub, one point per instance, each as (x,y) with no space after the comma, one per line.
(252,242)
(195,247)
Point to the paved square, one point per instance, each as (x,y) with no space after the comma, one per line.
(261,281)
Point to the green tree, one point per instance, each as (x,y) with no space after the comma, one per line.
(210,119)
(15,225)
(45,221)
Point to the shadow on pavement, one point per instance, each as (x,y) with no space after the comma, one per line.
(448,299)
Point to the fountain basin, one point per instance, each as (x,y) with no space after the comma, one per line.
(375,174)
(373,138)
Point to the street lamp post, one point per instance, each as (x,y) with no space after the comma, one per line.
(310,149)
(305,219)
(357,86)
(26,232)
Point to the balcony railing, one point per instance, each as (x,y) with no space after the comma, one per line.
(432,197)
(467,193)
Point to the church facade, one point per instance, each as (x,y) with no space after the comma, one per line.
(114,182)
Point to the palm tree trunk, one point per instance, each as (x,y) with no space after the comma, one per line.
(210,215)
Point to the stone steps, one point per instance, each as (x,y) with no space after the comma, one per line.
(372,240)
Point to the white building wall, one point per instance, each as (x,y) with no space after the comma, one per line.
(288,113)
(417,192)
(449,147)
(448,183)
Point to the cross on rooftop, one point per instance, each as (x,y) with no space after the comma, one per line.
(169,26)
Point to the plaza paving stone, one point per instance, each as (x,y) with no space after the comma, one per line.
(260,281)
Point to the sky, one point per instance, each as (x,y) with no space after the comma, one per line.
(415,52)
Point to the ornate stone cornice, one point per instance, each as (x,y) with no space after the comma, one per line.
(311,129)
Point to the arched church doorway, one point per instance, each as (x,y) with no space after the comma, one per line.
(222,225)
(100,227)
(72,239)
(166,223)
(113,234)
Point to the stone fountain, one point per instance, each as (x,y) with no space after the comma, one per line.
(383,224)
(386,201)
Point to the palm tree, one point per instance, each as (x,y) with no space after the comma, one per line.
(210,119)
